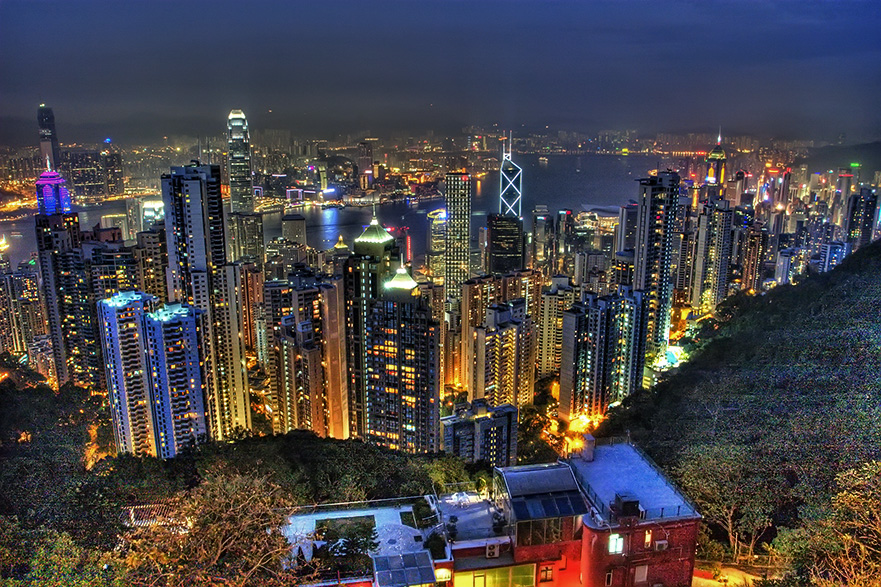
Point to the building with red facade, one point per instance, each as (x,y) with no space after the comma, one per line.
(605,517)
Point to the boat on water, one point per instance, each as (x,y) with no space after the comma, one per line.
(543,161)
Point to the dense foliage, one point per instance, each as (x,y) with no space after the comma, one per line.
(60,511)
(782,395)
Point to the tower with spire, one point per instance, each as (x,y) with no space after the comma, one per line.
(716,165)
(511,187)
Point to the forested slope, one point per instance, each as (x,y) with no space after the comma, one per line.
(783,394)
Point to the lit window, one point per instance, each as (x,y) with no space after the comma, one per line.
(616,544)
(648,538)
(546,574)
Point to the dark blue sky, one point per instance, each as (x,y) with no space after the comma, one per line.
(139,70)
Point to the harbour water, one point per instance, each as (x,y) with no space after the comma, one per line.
(567,181)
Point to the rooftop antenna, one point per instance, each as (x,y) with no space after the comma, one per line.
(719,140)
(48,164)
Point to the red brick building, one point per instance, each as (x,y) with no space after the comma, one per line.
(607,517)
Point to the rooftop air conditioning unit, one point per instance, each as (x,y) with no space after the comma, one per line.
(661,545)
(492,551)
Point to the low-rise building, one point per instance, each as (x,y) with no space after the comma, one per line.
(606,517)
(479,432)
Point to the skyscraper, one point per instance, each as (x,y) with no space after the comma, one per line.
(458,205)
(241,192)
(511,186)
(542,239)
(505,243)
(504,355)
(49,151)
(655,227)
(862,217)
(200,276)
(712,255)
(246,238)
(174,344)
(58,235)
(402,409)
(603,352)
(364,274)
(125,361)
(554,302)
(53,196)
(437,244)
(565,232)
(625,232)
(313,394)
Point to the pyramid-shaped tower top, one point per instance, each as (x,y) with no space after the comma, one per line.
(402,281)
(374,234)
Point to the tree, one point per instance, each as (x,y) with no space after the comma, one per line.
(850,538)
(60,562)
(227,530)
(734,488)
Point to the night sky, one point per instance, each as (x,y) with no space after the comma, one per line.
(139,70)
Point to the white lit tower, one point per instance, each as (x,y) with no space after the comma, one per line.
(175,364)
(511,184)
(128,388)
(241,192)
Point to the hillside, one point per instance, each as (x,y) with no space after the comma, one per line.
(784,394)
(833,157)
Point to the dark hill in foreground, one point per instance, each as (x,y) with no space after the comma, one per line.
(792,378)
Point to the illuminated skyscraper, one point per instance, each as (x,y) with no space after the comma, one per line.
(364,274)
(504,356)
(504,243)
(200,276)
(603,352)
(174,343)
(862,217)
(125,361)
(554,302)
(241,191)
(151,257)
(754,250)
(58,235)
(458,205)
(565,232)
(542,239)
(314,393)
(716,174)
(53,196)
(511,186)
(245,239)
(655,228)
(49,151)
(712,255)
(402,409)
(437,244)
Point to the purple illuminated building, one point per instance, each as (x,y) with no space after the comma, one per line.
(52,194)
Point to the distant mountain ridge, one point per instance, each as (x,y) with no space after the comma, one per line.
(868,155)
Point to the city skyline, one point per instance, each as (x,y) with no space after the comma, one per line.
(746,66)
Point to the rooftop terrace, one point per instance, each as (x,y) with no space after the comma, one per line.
(619,468)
